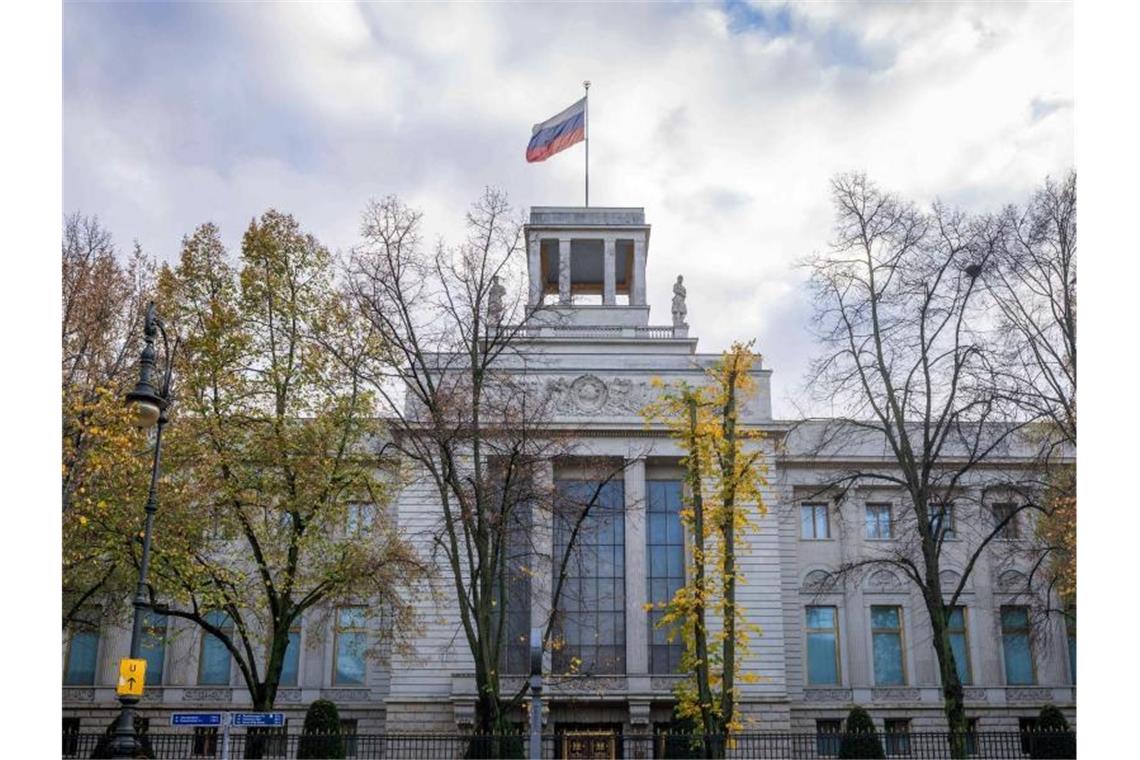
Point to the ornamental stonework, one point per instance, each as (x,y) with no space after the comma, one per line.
(588,685)
(1028,695)
(345,695)
(207,695)
(78,695)
(894,695)
(590,395)
(827,695)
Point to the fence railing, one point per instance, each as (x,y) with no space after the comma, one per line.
(999,745)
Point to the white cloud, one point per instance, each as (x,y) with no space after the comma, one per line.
(725,126)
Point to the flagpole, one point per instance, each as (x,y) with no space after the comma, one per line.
(586,84)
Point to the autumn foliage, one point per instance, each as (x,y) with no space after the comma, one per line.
(724,494)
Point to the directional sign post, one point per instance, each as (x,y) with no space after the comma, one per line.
(132,677)
(196,719)
(257,719)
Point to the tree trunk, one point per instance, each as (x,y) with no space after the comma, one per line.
(700,642)
(953,697)
(728,536)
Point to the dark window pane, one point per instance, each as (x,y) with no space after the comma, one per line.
(82,659)
(292,660)
(591,610)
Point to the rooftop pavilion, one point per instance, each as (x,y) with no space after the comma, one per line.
(580,253)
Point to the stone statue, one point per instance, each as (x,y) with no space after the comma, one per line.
(679,310)
(495,301)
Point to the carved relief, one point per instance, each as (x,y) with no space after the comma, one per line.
(589,684)
(627,397)
(153,694)
(883,580)
(974,695)
(894,695)
(78,695)
(589,394)
(1028,695)
(207,695)
(949,580)
(827,695)
(345,695)
(289,695)
(1011,580)
(819,581)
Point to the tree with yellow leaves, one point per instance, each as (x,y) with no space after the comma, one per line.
(724,468)
(103,459)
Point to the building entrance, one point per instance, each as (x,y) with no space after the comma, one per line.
(588,743)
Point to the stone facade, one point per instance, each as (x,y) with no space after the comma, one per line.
(593,363)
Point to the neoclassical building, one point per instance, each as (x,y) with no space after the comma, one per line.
(826,644)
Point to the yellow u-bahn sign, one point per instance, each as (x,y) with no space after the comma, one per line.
(132,677)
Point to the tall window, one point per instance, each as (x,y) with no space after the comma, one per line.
(214,658)
(290,668)
(82,656)
(590,623)
(1016,647)
(878,521)
(959,644)
(351,641)
(813,522)
(942,523)
(1010,530)
(358,518)
(822,625)
(154,646)
(666,550)
(514,594)
(887,644)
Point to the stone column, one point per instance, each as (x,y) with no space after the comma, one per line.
(609,270)
(564,271)
(542,539)
(534,267)
(636,571)
(637,292)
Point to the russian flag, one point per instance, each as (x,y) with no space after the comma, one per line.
(557,133)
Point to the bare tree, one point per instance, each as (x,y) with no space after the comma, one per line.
(902,322)
(1033,285)
(471,422)
(1033,282)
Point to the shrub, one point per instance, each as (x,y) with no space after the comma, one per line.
(1053,737)
(321,733)
(859,740)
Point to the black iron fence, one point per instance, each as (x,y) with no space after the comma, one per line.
(999,745)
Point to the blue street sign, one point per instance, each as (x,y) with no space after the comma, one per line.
(257,719)
(196,719)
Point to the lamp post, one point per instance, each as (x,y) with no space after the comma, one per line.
(535,693)
(150,408)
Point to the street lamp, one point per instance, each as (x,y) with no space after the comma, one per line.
(150,407)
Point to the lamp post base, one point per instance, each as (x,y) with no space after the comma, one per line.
(125,743)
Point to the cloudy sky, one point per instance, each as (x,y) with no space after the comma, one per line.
(724,120)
